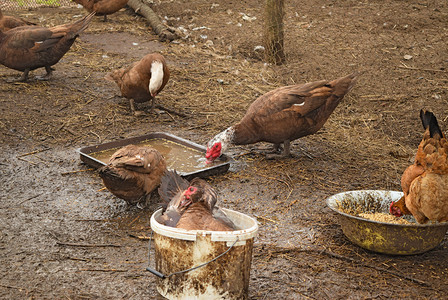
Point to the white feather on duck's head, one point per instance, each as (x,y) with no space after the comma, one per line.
(156,77)
(219,144)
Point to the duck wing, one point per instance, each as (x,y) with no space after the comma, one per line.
(133,172)
(136,158)
(222,217)
(290,112)
(29,37)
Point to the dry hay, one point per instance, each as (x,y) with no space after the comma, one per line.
(368,203)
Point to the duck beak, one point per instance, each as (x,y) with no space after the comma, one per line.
(184,201)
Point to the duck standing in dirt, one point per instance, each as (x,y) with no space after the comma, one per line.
(283,115)
(143,80)
(27,48)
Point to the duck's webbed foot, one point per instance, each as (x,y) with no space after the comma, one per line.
(47,76)
(149,201)
(135,112)
(275,155)
(22,78)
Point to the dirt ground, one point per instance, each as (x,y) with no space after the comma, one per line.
(50,201)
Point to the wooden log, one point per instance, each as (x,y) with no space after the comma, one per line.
(144,10)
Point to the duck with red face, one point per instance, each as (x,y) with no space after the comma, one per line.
(172,191)
(219,144)
(189,196)
(284,115)
(192,205)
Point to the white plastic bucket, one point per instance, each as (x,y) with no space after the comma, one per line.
(177,250)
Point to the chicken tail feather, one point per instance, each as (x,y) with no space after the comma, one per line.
(430,120)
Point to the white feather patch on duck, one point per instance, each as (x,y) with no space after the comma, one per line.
(156,77)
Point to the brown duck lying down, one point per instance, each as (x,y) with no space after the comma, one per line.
(10,22)
(143,80)
(133,172)
(27,48)
(283,115)
(191,206)
(102,7)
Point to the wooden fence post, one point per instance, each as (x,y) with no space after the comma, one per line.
(273,32)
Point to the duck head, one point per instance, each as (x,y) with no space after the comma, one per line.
(219,144)
(188,197)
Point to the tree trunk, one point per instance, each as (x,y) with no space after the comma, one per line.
(273,33)
(161,30)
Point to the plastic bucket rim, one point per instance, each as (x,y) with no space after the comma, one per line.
(190,235)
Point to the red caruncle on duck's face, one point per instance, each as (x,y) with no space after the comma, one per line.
(213,152)
(190,191)
(186,197)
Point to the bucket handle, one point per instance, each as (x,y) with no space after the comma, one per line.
(163,276)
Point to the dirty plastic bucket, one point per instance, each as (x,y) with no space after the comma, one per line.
(199,264)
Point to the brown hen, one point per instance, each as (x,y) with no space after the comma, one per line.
(425,183)
(133,172)
(27,48)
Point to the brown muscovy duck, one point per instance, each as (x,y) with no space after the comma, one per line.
(133,172)
(283,115)
(10,22)
(27,48)
(425,182)
(102,7)
(191,206)
(143,80)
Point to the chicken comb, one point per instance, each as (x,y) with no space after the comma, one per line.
(430,120)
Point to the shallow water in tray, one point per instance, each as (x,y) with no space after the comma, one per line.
(179,157)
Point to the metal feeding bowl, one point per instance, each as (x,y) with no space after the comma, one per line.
(383,237)
(186,157)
